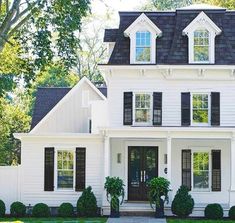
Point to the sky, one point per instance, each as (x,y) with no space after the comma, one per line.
(99,6)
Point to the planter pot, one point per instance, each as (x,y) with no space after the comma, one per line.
(115,212)
(160,210)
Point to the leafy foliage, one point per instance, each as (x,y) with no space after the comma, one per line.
(231,213)
(214,211)
(114,187)
(12,119)
(87,204)
(41,210)
(18,209)
(66,210)
(2,208)
(158,187)
(183,203)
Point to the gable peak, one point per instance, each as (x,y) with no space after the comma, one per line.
(142,21)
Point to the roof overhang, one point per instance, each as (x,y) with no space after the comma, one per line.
(143,21)
(202,20)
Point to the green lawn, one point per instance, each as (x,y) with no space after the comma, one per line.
(199,221)
(54,220)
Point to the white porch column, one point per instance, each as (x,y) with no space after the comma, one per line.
(107,165)
(232,169)
(169,158)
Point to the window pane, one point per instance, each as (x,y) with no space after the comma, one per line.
(65,179)
(201,170)
(201,45)
(200,108)
(143,54)
(65,164)
(142,115)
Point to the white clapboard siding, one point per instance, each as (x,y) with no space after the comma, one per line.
(171,96)
(9,185)
(32,191)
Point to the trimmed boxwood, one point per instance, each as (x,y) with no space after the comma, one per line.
(183,203)
(66,210)
(214,211)
(87,204)
(18,209)
(2,208)
(231,213)
(41,210)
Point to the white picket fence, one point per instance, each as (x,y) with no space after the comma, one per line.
(9,184)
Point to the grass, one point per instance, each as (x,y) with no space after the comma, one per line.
(198,220)
(53,220)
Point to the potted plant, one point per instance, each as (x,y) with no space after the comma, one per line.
(158,194)
(114,189)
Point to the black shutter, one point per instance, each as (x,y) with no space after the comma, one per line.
(216,170)
(215,108)
(186,168)
(185,109)
(127,108)
(80,169)
(157,108)
(49,169)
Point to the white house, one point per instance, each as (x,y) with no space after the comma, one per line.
(169,111)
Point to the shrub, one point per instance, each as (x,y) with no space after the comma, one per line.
(41,210)
(214,211)
(87,204)
(18,209)
(231,213)
(2,208)
(66,210)
(183,203)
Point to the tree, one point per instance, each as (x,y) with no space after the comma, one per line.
(13,67)
(173,4)
(39,19)
(12,119)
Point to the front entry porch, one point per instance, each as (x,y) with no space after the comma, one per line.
(136,159)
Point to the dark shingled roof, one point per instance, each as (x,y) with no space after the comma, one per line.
(47,98)
(172,47)
(110,35)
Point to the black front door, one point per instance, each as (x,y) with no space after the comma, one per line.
(142,167)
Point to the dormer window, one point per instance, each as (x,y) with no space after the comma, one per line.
(143,47)
(142,33)
(201,46)
(201,34)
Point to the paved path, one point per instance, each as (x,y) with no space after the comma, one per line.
(136,220)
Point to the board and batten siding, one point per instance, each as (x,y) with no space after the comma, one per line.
(132,81)
(72,116)
(32,186)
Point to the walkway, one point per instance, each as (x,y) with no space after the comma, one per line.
(136,220)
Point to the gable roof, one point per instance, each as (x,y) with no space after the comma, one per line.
(144,21)
(48,98)
(172,47)
(203,20)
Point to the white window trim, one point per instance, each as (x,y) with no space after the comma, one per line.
(151,109)
(56,169)
(211,47)
(202,21)
(204,150)
(152,48)
(142,23)
(209,109)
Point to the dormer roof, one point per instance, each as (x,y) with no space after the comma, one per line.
(143,21)
(202,20)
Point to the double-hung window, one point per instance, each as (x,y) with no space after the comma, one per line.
(201,171)
(65,169)
(201,46)
(200,109)
(143,47)
(143,108)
